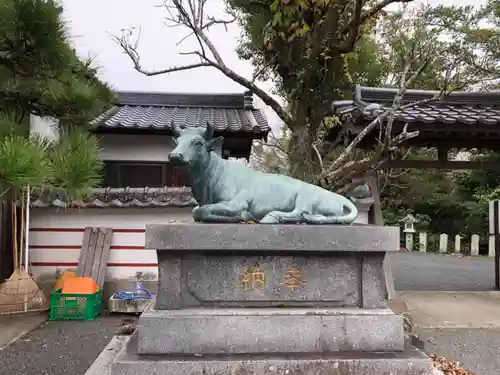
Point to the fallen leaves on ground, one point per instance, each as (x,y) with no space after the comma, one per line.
(128,327)
(448,367)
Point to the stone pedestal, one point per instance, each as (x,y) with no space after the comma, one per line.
(271,299)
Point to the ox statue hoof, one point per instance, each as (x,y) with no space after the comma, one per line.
(199,214)
(269,219)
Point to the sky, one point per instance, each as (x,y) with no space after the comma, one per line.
(93,22)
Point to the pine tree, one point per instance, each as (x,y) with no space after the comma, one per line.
(41,74)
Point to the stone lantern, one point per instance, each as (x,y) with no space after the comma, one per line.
(409,230)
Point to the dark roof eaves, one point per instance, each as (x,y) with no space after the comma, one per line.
(181,99)
(117,198)
(146,92)
(262,127)
(180,197)
(386,94)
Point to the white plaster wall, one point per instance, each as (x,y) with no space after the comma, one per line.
(114,146)
(56,236)
(136,147)
(46,127)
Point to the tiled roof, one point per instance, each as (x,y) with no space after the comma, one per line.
(147,110)
(118,198)
(467,108)
(134,198)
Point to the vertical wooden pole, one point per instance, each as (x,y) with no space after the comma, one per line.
(494,231)
(496,224)
(2,243)
(377,217)
(6,256)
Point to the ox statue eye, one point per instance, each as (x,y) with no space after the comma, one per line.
(198,143)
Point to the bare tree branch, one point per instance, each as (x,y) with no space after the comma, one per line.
(270,156)
(366,15)
(318,156)
(353,33)
(259,72)
(389,143)
(403,84)
(348,170)
(192,16)
(388,175)
(130,48)
(266,98)
(353,28)
(379,120)
(275,142)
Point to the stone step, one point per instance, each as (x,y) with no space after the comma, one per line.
(269,330)
(408,362)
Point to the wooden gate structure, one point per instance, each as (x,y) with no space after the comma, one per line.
(460,120)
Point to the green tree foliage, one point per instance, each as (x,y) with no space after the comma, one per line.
(75,161)
(424,192)
(474,185)
(23,162)
(466,40)
(476,188)
(314,51)
(451,34)
(41,74)
(307,47)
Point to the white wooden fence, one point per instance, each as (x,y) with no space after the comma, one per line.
(448,243)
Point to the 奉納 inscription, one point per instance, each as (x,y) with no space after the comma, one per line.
(253,278)
(250,280)
(293,279)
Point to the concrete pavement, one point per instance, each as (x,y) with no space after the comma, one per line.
(59,348)
(462,326)
(14,326)
(451,323)
(475,349)
(450,309)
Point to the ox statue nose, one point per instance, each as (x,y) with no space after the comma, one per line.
(176,158)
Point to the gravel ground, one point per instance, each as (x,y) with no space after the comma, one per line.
(59,348)
(476,349)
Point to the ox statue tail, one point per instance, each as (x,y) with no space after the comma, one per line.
(344,219)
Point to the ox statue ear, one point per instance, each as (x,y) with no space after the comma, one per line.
(209,132)
(215,143)
(176,130)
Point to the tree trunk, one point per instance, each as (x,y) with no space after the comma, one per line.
(304,163)
(6,240)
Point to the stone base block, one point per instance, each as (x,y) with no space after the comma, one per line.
(269,330)
(251,266)
(409,362)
